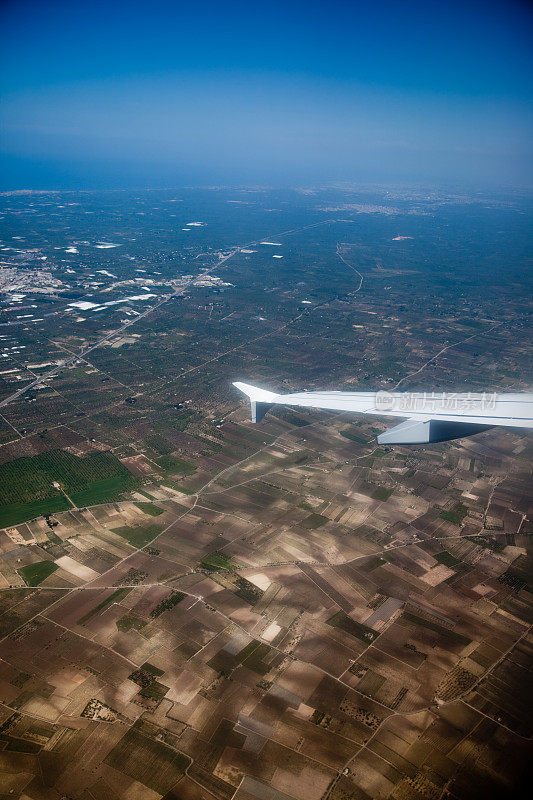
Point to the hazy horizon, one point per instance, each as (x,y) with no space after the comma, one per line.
(159,95)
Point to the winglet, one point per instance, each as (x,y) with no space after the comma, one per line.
(260,399)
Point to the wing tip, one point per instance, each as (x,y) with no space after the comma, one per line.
(254,392)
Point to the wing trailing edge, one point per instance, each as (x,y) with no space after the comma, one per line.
(429,416)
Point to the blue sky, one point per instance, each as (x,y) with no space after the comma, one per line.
(170,93)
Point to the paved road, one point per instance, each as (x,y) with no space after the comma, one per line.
(90,348)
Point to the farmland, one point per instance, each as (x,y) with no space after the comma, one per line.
(197,607)
(32,486)
(34,574)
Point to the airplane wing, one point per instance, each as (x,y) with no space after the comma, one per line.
(430,416)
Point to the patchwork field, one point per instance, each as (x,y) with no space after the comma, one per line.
(234,635)
(193,607)
(56,480)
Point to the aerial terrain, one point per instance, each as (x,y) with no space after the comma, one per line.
(195,607)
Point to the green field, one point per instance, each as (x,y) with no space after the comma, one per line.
(447,559)
(178,422)
(349,625)
(456,515)
(150,509)
(215,561)
(254,657)
(248,591)
(354,437)
(138,537)
(13,513)
(171,465)
(381,493)
(369,461)
(158,443)
(176,486)
(106,490)
(314,521)
(34,574)
(114,597)
(172,600)
(27,490)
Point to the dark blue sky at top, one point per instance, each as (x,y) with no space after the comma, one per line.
(169,93)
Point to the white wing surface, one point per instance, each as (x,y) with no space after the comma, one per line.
(430,416)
